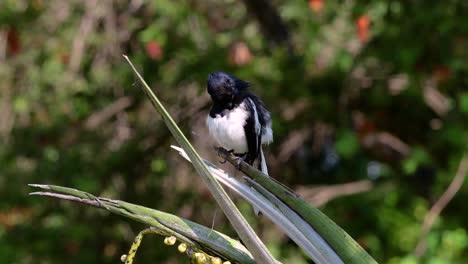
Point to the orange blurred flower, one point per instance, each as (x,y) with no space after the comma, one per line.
(239,54)
(362,27)
(316,5)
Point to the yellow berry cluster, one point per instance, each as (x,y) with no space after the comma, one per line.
(195,257)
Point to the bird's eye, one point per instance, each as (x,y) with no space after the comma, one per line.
(229,83)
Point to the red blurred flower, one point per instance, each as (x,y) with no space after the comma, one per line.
(154,50)
(362,27)
(316,5)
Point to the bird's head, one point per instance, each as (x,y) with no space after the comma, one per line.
(223,87)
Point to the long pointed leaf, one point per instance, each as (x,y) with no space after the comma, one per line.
(291,224)
(243,229)
(189,232)
(343,244)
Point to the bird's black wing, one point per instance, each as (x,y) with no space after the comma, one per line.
(263,114)
(252,130)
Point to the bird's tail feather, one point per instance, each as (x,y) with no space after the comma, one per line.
(262,167)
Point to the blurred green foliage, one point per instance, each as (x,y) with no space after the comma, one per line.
(359,90)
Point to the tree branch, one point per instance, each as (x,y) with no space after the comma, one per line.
(437,208)
(321,195)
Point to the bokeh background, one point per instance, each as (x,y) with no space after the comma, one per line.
(369,102)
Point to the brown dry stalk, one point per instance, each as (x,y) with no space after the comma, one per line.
(437,208)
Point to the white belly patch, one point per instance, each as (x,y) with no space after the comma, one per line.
(228,130)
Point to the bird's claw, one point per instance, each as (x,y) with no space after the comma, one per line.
(220,151)
(239,161)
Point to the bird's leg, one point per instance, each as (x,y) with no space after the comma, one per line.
(239,161)
(220,150)
(244,157)
(249,158)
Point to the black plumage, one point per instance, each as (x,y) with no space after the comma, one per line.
(238,120)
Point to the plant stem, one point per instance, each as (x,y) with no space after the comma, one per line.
(243,229)
(343,244)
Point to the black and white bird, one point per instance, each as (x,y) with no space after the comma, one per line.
(238,120)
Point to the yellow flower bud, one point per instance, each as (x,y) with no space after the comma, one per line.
(182,247)
(216,260)
(170,240)
(200,258)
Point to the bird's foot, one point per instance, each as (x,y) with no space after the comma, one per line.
(240,159)
(220,150)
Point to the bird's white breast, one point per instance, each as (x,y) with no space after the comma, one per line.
(228,130)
